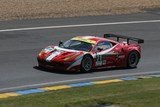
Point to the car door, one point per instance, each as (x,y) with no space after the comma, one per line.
(105,57)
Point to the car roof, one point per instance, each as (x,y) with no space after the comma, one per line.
(91,39)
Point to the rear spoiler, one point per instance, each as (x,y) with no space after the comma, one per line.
(124,37)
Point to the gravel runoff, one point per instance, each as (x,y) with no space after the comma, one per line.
(33,9)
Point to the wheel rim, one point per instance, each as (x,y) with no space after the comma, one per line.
(133,59)
(87,64)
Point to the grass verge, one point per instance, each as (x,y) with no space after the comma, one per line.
(32,9)
(140,93)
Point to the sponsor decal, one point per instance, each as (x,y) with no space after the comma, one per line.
(100,60)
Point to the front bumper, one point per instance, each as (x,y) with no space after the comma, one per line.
(61,66)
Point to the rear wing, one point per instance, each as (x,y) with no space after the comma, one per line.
(124,37)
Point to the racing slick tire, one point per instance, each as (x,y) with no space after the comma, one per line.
(86,64)
(133,59)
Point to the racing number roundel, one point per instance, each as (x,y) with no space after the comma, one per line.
(100,60)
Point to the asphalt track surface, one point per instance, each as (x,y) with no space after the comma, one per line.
(18,49)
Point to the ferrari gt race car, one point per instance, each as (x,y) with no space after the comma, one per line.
(84,53)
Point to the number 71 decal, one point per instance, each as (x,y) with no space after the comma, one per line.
(100,60)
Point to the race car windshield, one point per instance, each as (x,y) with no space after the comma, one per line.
(77,45)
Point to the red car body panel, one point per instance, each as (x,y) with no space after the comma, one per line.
(58,58)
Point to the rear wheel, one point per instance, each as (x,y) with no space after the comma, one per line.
(133,59)
(86,64)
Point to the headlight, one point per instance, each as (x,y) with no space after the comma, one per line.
(48,49)
(40,54)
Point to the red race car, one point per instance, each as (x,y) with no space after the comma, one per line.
(84,53)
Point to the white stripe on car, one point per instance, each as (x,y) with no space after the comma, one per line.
(53,55)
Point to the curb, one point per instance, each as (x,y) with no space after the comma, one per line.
(80,84)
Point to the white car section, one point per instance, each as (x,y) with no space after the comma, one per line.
(67,50)
(53,55)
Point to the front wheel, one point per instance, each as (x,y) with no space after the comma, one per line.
(133,59)
(86,64)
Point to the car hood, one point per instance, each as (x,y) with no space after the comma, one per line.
(61,54)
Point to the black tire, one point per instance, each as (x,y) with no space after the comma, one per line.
(133,59)
(86,64)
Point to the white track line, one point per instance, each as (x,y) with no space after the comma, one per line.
(76,80)
(80,25)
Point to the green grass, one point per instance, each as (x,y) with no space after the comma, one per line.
(140,93)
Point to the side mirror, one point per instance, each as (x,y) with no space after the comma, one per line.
(99,49)
(60,43)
